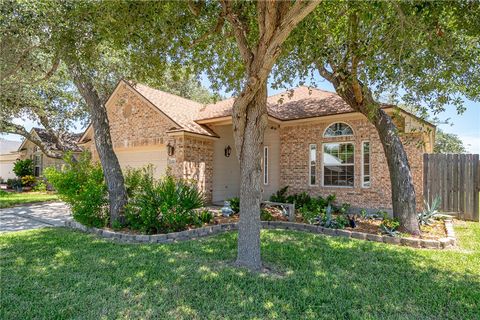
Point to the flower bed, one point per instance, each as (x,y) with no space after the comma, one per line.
(223,224)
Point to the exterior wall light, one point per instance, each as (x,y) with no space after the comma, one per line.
(228,151)
(170,150)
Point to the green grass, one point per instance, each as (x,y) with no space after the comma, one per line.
(62,274)
(8,199)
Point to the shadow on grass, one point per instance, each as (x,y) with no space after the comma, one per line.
(58,273)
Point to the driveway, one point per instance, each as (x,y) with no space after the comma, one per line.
(39,215)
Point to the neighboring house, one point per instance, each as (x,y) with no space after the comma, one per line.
(314,143)
(29,150)
(8,156)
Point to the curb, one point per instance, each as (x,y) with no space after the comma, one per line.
(443,243)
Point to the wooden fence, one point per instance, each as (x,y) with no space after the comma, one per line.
(456,179)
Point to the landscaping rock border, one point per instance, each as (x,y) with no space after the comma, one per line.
(447,242)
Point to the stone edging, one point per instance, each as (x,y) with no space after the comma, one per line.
(449,241)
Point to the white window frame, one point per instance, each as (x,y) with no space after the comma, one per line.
(345,135)
(266,153)
(350,164)
(369,164)
(310,164)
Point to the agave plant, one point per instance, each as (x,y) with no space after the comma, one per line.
(430,213)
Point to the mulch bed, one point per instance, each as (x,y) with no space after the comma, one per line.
(371,226)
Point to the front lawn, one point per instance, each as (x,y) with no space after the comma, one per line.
(8,199)
(62,274)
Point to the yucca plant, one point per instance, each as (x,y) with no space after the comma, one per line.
(430,213)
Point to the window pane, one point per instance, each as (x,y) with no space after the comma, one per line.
(338,130)
(313,164)
(366,164)
(339,175)
(265,165)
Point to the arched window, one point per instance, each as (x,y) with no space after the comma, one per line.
(338,129)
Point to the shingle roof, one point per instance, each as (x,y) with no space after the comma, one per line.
(182,111)
(69,140)
(298,103)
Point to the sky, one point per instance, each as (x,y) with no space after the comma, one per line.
(466,125)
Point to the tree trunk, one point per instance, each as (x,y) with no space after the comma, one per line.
(360,98)
(250,153)
(111,168)
(403,190)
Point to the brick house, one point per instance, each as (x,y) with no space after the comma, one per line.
(314,143)
(29,150)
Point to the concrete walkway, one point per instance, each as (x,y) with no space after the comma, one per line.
(38,215)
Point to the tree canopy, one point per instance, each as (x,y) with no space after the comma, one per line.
(448,143)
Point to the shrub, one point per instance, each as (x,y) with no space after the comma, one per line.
(23,168)
(14,183)
(28,181)
(80,183)
(430,213)
(235,204)
(205,216)
(161,206)
(40,186)
(390,226)
(266,215)
(3,193)
(280,195)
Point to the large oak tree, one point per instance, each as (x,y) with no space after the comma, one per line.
(424,53)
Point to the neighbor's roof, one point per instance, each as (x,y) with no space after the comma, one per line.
(69,140)
(299,103)
(180,110)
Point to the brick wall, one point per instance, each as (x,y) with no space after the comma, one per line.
(193,160)
(133,122)
(294,170)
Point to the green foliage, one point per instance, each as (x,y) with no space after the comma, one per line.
(40,186)
(280,195)
(161,206)
(3,193)
(80,183)
(430,212)
(266,215)
(330,221)
(299,199)
(117,225)
(390,226)
(14,183)
(235,204)
(205,216)
(23,168)
(28,181)
(448,143)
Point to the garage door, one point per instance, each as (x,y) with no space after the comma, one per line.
(138,158)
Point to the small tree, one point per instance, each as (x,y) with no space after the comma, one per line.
(448,143)
(23,168)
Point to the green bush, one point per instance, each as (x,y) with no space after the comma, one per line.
(80,183)
(205,216)
(265,215)
(23,168)
(235,204)
(28,181)
(390,226)
(161,206)
(40,186)
(280,195)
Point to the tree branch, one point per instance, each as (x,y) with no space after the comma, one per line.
(216,29)
(10,127)
(240,32)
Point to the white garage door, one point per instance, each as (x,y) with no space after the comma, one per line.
(138,158)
